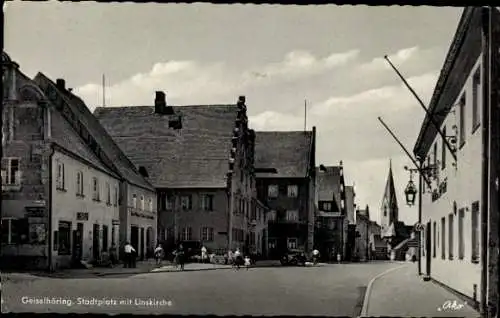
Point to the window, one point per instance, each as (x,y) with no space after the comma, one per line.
(95,189)
(207,234)
(450,237)
(187,234)
(115,203)
(169,202)
(292,215)
(108,194)
(134,201)
(79,184)
(64,238)
(271,215)
(150,205)
(207,202)
(272,191)
(475,232)
(326,206)
(60,176)
(12,174)
(443,151)
(443,238)
(461,216)
(254,211)
(15,231)
(434,233)
(293,191)
(385,210)
(292,243)
(461,106)
(476,110)
(142,203)
(252,239)
(186,202)
(271,243)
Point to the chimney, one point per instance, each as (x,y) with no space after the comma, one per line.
(61,84)
(160,102)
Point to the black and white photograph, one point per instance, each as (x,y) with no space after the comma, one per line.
(244,159)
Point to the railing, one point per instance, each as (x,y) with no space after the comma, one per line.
(8,185)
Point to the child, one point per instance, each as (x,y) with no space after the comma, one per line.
(247,262)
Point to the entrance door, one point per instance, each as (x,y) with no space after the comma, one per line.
(134,237)
(95,242)
(77,243)
(428,248)
(105,238)
(142,244)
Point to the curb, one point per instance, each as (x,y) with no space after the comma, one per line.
(364,310)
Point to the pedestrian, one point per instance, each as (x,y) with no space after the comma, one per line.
(129,254)
(203,254)
(238,258)
(247,262)
(230,258)
(158,254)
(315,256)
(180,256)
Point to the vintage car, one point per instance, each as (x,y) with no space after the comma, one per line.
(294,258)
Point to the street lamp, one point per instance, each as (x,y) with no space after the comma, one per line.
(410,190)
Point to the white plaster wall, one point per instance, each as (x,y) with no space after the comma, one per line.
(464,187)
(140,221)
(65,205)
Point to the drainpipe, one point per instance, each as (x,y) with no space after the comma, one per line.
(485,160)
(49,210)
(419,250)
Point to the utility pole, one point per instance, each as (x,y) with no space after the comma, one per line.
(431,117)
(103,90)
(305,114)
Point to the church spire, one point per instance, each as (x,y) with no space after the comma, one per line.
(389,200)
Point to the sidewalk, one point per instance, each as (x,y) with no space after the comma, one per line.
(191,267)
(400,292)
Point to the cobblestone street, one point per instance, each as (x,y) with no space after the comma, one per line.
(333,290)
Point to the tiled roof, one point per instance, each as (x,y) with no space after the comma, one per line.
(328,184)
(66,137)
(289,152)
(105,142)
(195,156)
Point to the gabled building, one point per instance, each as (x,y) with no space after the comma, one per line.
(59,199)
(135,196)
(200,159)
(284,162)
(460,208)
(369,244)
(331,233)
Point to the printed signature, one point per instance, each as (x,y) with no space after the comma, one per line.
(451,305)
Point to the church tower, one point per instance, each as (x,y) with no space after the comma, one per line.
(389,209)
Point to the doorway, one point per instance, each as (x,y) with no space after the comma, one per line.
(105,238)
(149,242)
(428,249)
(142,244)
(134,237)
(77,243)
(95,242)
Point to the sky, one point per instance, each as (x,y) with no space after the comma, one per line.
(328,58)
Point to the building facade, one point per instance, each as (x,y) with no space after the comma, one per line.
(136,221)
(460,206)
(331,233)
(59,201)
(286,185)
(200,160)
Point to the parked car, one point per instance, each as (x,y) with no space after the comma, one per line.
(294,258)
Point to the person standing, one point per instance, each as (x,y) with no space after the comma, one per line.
(158,254)
(180,256)
(203,254)
(238,258)
(315,256)
(247,262)
(129,255)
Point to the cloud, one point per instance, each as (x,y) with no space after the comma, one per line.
(192,82)
(297,64)
(398,58)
